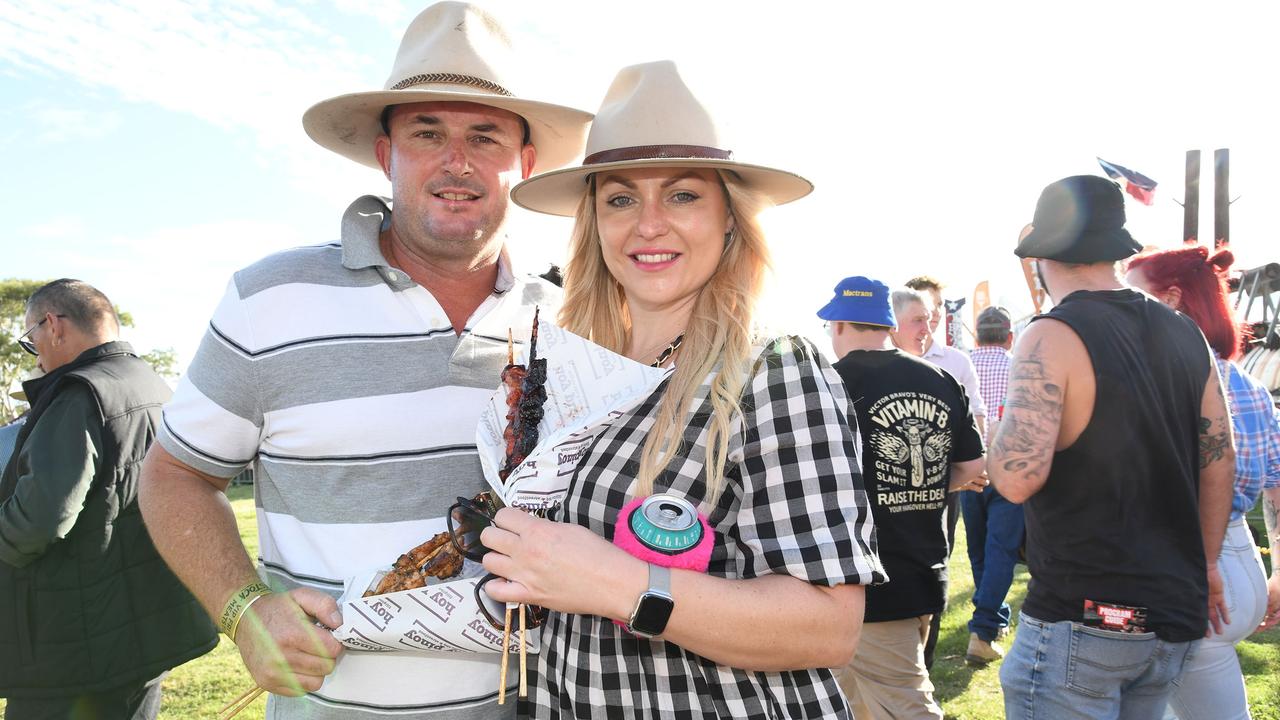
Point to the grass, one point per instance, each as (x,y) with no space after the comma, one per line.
(202,686)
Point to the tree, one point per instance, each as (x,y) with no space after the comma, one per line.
(15,362)
(164,361)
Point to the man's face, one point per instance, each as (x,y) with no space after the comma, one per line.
(913,328)
(451,166)
(936,309)
(41,337)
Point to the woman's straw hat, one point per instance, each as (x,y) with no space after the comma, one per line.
(456,52)
(650,118)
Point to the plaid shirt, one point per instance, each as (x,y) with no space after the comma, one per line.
(792,504)
(992,364)
(1256,424)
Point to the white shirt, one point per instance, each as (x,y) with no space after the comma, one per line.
(961,368)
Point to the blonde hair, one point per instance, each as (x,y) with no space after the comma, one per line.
(720,329)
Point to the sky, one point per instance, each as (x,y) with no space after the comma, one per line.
(153,148)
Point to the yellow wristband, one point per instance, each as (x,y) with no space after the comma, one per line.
(236,625)
(235,608)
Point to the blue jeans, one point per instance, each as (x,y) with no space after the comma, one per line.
(1212,688)
(1064,670)
(993,527)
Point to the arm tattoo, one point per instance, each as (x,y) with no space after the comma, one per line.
(1213,446)
(1033,415)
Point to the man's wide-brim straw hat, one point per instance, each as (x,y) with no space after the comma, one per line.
(455,52)
(650,118)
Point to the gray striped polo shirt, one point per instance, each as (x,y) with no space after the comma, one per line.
(342,382)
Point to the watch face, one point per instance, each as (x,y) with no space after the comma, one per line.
(652,614)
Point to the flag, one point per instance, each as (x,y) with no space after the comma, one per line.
(954,324)
(1135,183)
(981,299)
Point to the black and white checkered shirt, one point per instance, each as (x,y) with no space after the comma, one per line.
(793,504)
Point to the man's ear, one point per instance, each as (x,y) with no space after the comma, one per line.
(57,325)
(1173,297)
(528,156)
(382,149)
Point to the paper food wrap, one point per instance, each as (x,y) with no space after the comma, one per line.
(587,387)
(439,618)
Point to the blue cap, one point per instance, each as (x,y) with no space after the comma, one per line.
(860,300)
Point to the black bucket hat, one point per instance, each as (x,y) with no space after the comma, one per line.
(1079,219)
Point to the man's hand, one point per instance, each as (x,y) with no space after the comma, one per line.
(284,650)
(1272,618)
(968,475)
(973,484)
(1218,615)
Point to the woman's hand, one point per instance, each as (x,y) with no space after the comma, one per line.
(1272,618)
(560,566)
(1218,613)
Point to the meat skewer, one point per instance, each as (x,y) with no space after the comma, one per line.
(524,688)
(506,643)
(526,392)
(435,557)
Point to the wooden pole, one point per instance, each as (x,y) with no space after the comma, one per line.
(1221,198)
(1191,200)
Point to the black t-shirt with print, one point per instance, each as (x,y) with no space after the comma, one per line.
(914,421)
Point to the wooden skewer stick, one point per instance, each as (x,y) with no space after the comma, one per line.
(511,348)
(234,707)
(506,644)
(524,688)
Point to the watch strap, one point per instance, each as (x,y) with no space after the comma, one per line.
(660,579)
(659,588)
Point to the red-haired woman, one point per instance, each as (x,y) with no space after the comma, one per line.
(1192,281)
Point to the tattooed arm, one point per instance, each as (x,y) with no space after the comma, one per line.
(1217,474)
(1022,449)
(1271,514)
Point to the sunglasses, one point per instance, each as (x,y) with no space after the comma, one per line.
(26,344)
(494,612)
(466,520)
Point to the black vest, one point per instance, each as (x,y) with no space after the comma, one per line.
(1117,520)
(100,609)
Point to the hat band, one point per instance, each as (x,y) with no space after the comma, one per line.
(657,152)
(452,79)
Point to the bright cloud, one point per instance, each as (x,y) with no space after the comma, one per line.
(171,278)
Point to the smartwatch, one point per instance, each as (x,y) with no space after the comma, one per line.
(654,607)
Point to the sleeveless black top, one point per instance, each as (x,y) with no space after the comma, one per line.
(1117,521)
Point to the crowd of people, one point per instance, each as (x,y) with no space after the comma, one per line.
(1105,444)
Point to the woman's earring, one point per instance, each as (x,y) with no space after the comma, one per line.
(728,238)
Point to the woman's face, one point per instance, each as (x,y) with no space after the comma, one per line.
(662,232)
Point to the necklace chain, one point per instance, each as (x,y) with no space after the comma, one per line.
(670,350)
